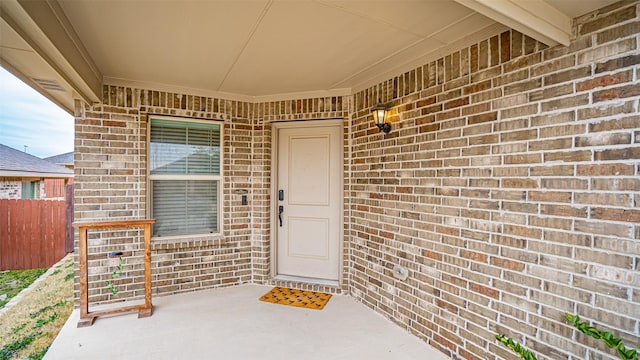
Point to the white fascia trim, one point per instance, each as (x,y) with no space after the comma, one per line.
(28,174)
(534,18)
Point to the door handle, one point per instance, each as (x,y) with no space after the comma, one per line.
(280,211)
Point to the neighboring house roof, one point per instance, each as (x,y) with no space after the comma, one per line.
(61,159)
(16,163)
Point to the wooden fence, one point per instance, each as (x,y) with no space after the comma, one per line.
(33,233)
(54,188)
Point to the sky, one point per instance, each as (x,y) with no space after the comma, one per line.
(28,118)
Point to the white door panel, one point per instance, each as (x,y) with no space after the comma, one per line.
(307,238)
(309,170)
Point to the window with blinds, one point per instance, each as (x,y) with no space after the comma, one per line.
(184,167)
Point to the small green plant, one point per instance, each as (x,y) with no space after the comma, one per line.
(516,347)
(8,351)
(117,272)
(41,322)
(39,354)
(34,315)
(17,329)
(605,336)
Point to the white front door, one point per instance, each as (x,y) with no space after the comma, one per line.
(309,193)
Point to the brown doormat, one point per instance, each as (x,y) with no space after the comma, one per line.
(295,297)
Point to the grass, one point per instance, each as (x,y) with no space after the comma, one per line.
(13,281)
(28,329)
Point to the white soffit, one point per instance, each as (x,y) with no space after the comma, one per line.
(191,44)
(266,47)
(310,52)
(19,59)
(575,8)
(534,18)
(422,18)
(44,28)
(258,50)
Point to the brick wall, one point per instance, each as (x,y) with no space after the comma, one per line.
(110,168)
(111,183)
(509,188)
(10,189)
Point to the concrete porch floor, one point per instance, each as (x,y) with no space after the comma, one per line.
(231,323)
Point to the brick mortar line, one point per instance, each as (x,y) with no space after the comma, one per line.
(533,202)
(502,278)
(502,301)
(511,236)
(501,245)
(538,138)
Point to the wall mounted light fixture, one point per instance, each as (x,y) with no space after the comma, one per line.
(379,114)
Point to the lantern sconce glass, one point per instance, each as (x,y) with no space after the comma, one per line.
(379,114)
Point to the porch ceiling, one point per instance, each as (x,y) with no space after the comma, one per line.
(257,49)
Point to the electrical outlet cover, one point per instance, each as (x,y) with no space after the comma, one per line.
(400,273)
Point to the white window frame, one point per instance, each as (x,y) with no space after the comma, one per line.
(219,177)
